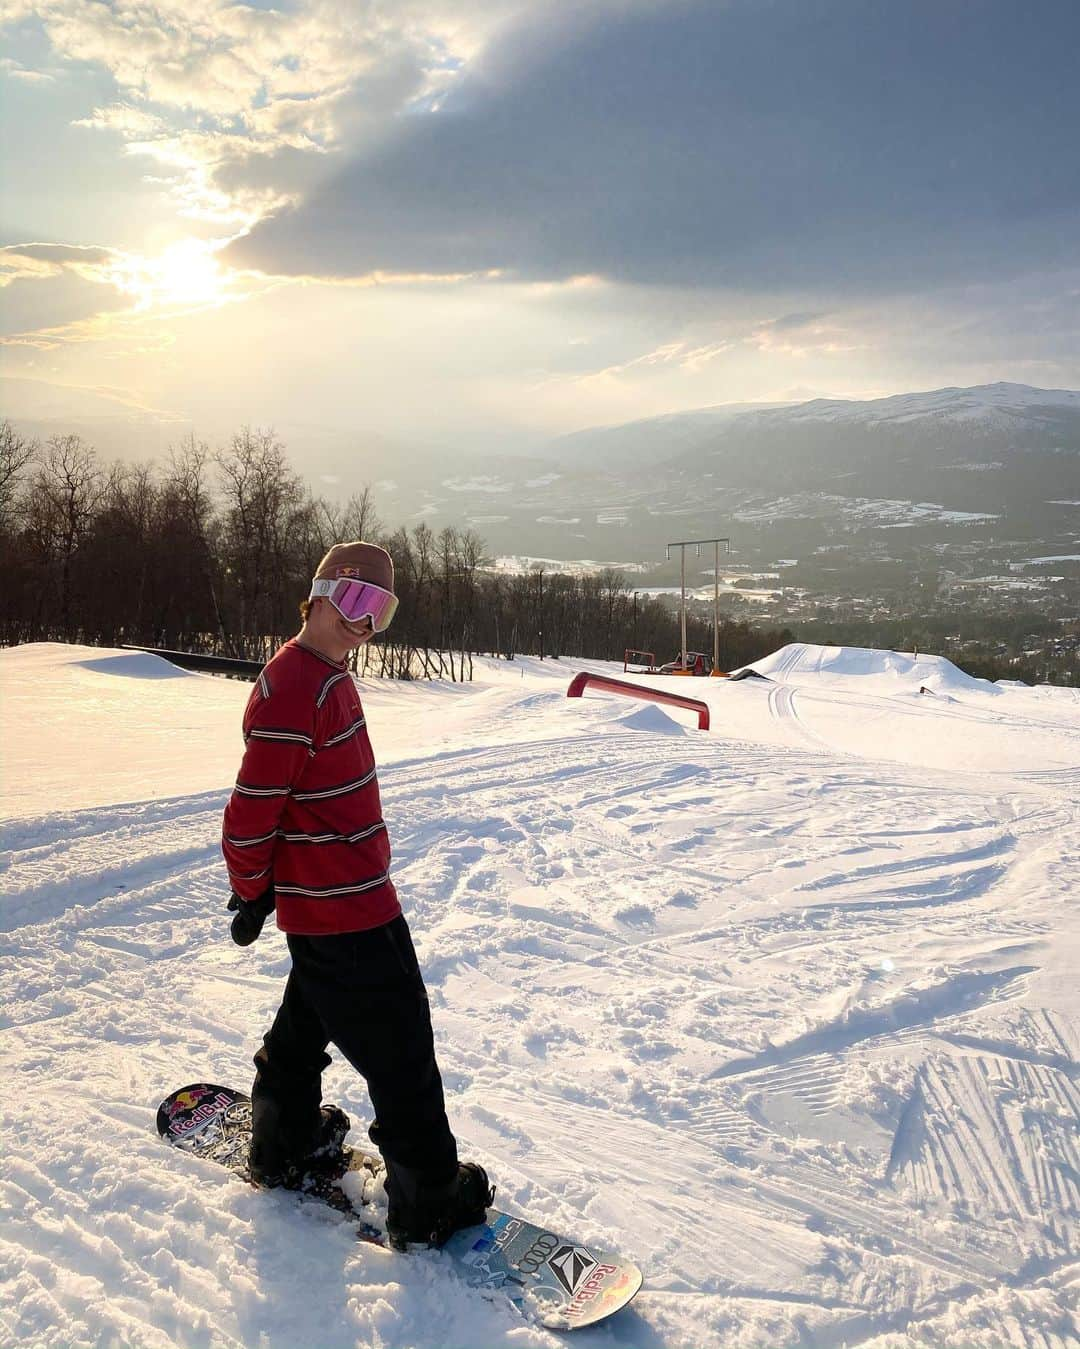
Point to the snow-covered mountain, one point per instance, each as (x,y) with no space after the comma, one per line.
(995,450)
(998,457)
(634,443)
(999,406)
(1002,409)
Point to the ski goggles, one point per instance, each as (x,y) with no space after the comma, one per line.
(356,600)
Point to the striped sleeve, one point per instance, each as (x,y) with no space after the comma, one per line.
(279,733)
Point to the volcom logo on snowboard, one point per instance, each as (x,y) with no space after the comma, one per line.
(571,1264)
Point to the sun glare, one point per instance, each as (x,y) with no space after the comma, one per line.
(184,274)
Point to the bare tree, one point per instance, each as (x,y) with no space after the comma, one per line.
(358,518)
(189,535)
(263,502)
(64,493)
(118,553)
(15,454)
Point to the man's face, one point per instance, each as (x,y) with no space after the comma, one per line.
(356,633)
(333,632)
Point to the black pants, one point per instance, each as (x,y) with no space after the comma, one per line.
(364,992)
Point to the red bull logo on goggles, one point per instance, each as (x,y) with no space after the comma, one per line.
(356,600)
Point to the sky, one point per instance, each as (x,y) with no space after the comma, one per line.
(479,224)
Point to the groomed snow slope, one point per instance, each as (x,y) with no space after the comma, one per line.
(787,1011)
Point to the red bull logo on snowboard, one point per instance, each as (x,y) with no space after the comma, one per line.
(185,1100)
(592,1287)
(187,1106)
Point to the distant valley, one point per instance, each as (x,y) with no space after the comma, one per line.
(968,493)
(959,499)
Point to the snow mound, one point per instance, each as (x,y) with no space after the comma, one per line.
(650,718)
(117,717)
(136,665)
(881,672)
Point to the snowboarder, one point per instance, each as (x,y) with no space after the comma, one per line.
(303,832)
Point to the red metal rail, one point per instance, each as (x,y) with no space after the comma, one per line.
(582,681)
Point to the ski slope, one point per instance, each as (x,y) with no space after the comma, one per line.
(786,1012)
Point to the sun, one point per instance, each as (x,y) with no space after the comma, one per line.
(186,274)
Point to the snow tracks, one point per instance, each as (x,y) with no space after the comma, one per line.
(795,1030)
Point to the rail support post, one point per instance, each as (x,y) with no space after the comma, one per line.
(581,682)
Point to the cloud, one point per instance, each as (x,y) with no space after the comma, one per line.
(801,334)
(21,258)
(30,76)
(688,356)
(871,145)
(205,86)
(63,294)
(128,120)
(34,307)
(44,401)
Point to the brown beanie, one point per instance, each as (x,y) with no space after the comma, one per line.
(365,561)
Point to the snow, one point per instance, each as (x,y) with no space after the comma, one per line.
(650,718)
(135,665)
(883,671)
(1000,407)
(884,513)
(519,565)
(82,728)
(786,1011)
(478,483)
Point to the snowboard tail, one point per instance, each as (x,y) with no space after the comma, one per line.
(552,1279)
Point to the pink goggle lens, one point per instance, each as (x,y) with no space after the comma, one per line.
(356,600)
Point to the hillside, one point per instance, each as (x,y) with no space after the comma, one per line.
(785,1011)
(999,449)
(962,497)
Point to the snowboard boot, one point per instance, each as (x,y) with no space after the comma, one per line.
(325,1157)
(279,1160)
(430,1214)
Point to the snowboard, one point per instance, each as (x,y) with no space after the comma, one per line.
(551,1279)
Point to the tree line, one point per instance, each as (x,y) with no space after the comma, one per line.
(212,551)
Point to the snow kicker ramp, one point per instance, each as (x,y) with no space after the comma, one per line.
(866,669)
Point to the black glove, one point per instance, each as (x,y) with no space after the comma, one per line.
(250,915)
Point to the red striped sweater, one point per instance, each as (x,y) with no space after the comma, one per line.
(305,814)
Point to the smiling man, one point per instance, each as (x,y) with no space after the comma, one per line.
(304,833)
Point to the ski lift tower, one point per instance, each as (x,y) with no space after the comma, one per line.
(682,545)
